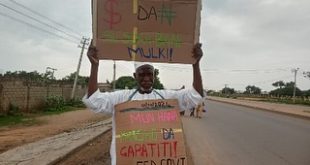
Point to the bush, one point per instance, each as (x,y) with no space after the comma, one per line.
(13,110)
(54,103)
(75,103)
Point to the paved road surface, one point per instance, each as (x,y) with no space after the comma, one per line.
(231,135)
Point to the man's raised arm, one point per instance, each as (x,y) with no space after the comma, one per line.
(93,78)
(197,80)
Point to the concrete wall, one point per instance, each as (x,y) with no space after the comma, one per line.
(30,97)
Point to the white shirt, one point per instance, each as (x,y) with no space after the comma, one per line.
(104,103)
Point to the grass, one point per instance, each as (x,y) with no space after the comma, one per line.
(66,109)
(297,102)
(18,120)
(31,119)
(54,105)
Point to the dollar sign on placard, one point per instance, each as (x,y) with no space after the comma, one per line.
(114,17)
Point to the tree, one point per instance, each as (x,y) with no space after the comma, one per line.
(289,84)
(82,80)
(306,93)
(130,82)
(33,76)
(157,83)
(227,90)
(306,74)
(212,92)
(287,90)
(49,75)
(125,82)
(252,90)
(278,84)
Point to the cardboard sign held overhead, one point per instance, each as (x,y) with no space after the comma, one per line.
(146,30)
(149,132)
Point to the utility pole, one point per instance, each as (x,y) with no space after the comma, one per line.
(295,74)
(84,42)
(47,72)
(114,74)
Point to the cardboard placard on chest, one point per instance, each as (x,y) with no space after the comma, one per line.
(149,132)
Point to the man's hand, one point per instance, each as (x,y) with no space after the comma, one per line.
(197,52)
(92,54)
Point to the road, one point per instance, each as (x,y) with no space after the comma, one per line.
(231,134)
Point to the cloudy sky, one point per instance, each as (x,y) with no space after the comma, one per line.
(245,42)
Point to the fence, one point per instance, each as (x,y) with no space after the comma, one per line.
(29,96)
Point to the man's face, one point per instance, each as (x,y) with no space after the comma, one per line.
(145,77)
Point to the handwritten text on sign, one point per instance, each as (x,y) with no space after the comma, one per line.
(149,132)
(146,30)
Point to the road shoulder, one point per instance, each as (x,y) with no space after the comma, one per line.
(287,109)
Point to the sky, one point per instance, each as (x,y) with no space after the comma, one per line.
(245,42)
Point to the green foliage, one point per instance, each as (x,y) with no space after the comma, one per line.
(130,82)
(57,104)
(14,117)
(287,90)
(157,84)
(10,120)
(306,74)
(288,100)
(82,80)
(20,119)
(46,77)
(125,82)
(251,89)
(289,84)
(75,103)
(54,103)
(306,93)
(13,110)
(211,92)
(34,76)
(278,84)
(227,90)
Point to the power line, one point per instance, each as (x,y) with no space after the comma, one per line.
(35,27)
(23,14)
(34,12)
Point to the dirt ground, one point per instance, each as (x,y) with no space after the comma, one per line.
(96,152)
(11,137)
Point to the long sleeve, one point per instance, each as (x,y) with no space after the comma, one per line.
(104,102)
(187,98)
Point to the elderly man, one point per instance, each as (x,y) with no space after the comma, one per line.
(144,75)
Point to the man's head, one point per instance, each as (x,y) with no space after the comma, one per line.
(144,76)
